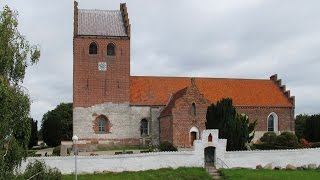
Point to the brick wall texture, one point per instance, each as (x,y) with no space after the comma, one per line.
(91,86)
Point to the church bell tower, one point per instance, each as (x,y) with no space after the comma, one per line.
(101,56)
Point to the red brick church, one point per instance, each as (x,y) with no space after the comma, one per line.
(113,108)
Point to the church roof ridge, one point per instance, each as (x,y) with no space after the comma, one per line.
(189,77)
(100,10)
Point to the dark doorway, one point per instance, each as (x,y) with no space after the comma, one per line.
(193,137)
(209,155)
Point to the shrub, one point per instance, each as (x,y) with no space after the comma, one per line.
(269,137)
(285,140)
(312,128)
(38,170)
(56,151)
(305,143)
(167,146)
(288,139)
(315,145)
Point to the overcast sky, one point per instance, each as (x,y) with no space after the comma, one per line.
(199,38)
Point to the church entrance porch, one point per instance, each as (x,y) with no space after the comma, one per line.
(193,135)
(209,155)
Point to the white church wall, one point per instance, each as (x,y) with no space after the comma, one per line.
(194,158)
(154,125)
(124,120)
(251,159)
(146,161)
(119,163)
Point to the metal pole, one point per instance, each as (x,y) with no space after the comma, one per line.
(75,159)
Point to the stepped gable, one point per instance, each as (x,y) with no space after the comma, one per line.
(151,90)
(282,88)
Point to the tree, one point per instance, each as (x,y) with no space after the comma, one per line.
(16,54)
(300,125)
(34,134)
(234,127)
(57,125)
(312,128)
(219,116)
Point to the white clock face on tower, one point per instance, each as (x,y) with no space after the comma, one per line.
(102,66)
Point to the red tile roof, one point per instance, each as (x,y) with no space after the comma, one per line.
(148,90)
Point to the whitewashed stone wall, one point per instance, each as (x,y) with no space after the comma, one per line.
(250,159)
(118,163)
(194,158)
(124,119)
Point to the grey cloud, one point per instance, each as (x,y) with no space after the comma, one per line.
(233,39)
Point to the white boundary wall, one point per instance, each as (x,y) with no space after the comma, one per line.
(195,158)
(119,163)
(250,159)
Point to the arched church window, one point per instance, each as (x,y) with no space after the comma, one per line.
(273,122)
(93,49)
(193,109)
(144,127)
(102,125)
(111,49)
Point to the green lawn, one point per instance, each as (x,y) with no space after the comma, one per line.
(241,174)
(166,174)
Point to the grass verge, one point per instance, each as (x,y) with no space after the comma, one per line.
(244,174)
(166,173)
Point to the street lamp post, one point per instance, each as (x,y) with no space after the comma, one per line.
(75,139)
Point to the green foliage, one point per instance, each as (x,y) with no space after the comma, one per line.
(315,145)
(312,128)
(166,146)
(38,170)
(14,48)
(285,140)
(221,115)
(288,139)
(34,134)
(239,136)
(251,129)
(236,128)
(269,138)
(57,125)
(300,125)
(16,54)
(56,151)
(308,127)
